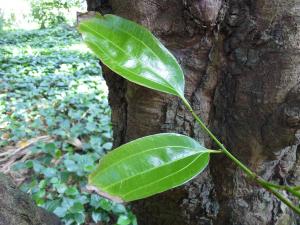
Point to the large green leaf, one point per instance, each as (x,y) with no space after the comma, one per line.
(133,52)
(148,166)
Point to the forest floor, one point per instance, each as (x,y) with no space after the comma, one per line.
(55,123)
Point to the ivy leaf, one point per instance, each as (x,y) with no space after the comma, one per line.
(133,52)
(60,211)
(95,199)
(79,217)
(72,191)
(105,204)
(70,165)
(76,208)
(123,220)
(96,217)
(50,148)
(49,172)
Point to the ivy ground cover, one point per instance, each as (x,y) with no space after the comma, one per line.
(51,86)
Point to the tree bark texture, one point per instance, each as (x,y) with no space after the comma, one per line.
(241,65)
(17,208)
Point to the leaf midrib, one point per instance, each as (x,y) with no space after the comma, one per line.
(151,183)
(142,152)
(144,43)
(169,90)
(149,170)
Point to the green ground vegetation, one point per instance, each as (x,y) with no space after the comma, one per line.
(51,85)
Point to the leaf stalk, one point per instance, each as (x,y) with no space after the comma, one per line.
(272,188)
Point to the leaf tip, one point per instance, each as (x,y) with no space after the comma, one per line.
(104,194)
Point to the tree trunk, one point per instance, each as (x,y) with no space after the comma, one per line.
(241,64)
(17,208)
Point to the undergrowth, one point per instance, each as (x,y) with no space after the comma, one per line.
(50,85)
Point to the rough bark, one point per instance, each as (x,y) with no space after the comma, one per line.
(17,208)
(241,62)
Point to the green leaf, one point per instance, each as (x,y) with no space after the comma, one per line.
(148,166)
(54,180)
(49,172)
(58,153)
(105,204)
(60,211)
(131,51)
(107,145)
(95,199)
(119,208)
(42,184)
(71,165)
(51,205)
(71,191)
(79,218)
(123,220)
(19,166)
(96,217)
(76,208)
(50,148)
(61,188)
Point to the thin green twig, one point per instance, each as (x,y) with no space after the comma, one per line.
(214,151)
(263,183)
